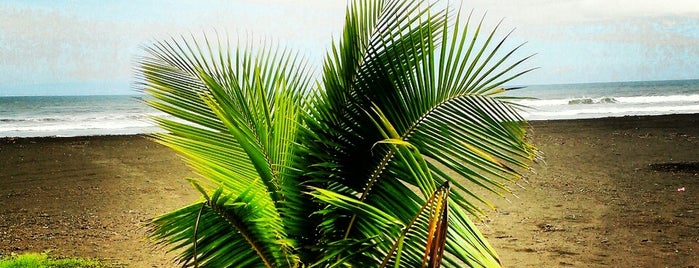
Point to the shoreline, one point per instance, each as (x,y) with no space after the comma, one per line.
(637,117)
(532,122)
(595,203)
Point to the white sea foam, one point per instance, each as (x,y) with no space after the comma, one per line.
(540,114)
(694,98)
(660,99)
(74,116)
(111,115)
(611,99)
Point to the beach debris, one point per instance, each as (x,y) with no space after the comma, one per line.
(545,227)
(681,189)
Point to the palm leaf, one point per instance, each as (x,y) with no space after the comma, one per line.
(208,235)
(236,115)
(436,239)
(439,98)
(408,100)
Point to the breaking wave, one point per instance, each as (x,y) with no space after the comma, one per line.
(602,100)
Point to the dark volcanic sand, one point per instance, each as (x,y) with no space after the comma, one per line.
(607,196)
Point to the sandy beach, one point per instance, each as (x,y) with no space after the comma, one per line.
(615,192)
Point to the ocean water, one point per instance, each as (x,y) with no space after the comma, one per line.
(120,115)
(597,100)
(74,116)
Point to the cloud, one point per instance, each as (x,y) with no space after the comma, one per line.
(46,42)
(43,42)
(40,45)
(605,10)
(555,12)
(598,40)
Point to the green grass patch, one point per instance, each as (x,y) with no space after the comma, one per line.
(41,260)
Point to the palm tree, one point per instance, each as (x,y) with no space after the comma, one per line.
(358,168)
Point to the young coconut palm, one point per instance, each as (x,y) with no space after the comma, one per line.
(343,171)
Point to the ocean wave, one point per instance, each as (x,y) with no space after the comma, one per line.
(79,118)
(24,120)
(78,125)
(658,99)
(584,111)
(541,102)
(602,100)
(614,100)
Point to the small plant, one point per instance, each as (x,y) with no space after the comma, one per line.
(41,260)
(344,170)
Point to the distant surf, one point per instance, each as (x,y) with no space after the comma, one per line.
(596,100)
(74,116)
(122,115)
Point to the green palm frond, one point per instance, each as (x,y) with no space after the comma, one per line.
(438,95)
(472,248)
(436,211)
(240,112)
(238,234)
(343,171)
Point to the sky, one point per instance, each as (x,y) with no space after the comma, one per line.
(91,47)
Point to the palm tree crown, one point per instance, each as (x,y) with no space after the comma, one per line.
(370,165)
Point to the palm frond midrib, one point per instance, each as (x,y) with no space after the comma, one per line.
(405,135)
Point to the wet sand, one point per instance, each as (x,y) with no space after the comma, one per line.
(606,197)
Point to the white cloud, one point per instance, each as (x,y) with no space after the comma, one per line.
(548,12)
(46,45)
(96,41)
(99,40)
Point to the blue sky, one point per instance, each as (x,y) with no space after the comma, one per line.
(90,47)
